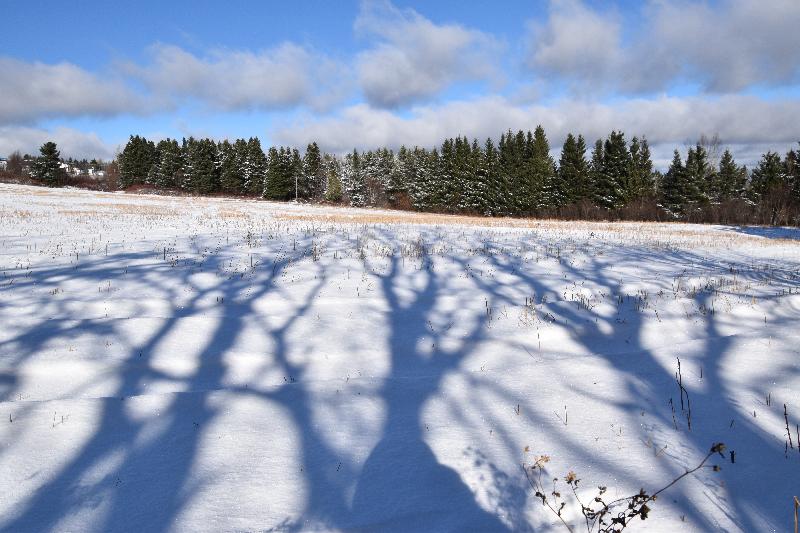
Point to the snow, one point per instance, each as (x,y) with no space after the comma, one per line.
(201,364)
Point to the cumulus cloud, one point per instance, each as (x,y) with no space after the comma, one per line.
(71,142)
(735,45)
(668,122)
(414,59)
(35,91)
(282,77)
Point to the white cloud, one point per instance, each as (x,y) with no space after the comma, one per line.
(71,142)
(576,40)
(415,59)
(35,91)
(282,77)
(668,122)
(732,46)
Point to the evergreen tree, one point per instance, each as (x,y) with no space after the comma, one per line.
(640,179)
(731,178)
(311,183)
(596,171)
(791,170)
(397,182)
(231,178)
(767,177)
(416,166)
(476,197)
(697,176)
(200,172)
(47,167)
(152,174)
(613,180)
(136,160)
(333,178)
(279,182)
(353,180)
(544,189)
(255,167)
(671,186)
(496,193)
(169,165)
(573,169)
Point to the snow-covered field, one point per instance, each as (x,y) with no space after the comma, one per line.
(196,364)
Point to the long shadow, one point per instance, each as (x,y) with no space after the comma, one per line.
(147,489)
(402,485)
(639,366)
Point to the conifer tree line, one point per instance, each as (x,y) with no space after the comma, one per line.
(517,176)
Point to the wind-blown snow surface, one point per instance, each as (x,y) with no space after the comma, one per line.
(178,364)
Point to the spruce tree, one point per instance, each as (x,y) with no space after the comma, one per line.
(47,167)
(672,186)
(612,185)
(312,176)
(496,193)
(545,190)
(256,167)
(419,176)
(169,165)
(573,169)
(279,181)
(231,178)
(596,171)
(791,170)
(333,178)
(731,178)
(767,177)
(136,160)
(200,174)
(353,179)
(640,178)
(698,174)
(397,180)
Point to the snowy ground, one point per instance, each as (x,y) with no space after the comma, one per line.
(217,365)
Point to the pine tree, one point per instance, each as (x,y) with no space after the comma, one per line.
(333,178)
(231,178)
(613,180)
(573,169)
(200,173)
(396,182)
(640,179)
(791,169)
(47,167)
(731,179)
(255,167)
(596,171)
(770,188)
(496,193)
(544,189)
(152,174)
(169,165)
(353,180)
(311,183)
(698,173)
(476,187)
(671,187)
(136,160)
(767,177)
(279,181)
(419,176)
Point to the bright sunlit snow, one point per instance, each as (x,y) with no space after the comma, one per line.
(201,364)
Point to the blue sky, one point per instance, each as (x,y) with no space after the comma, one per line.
(368,73)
